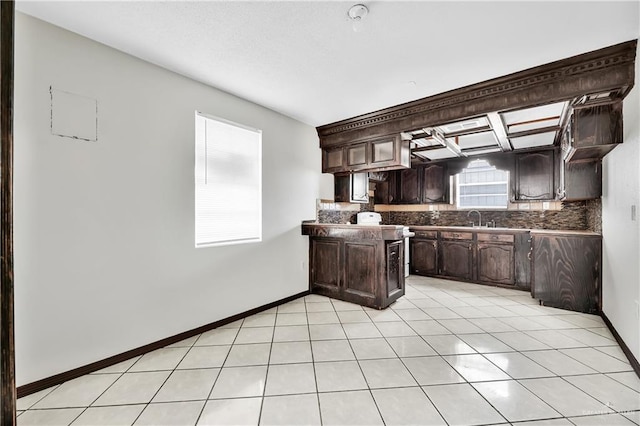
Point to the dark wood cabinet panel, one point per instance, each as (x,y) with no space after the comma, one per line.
(357,156)
(595,130)
(353,188)
(333,160)
(495,263)
(408,186)
(567,271)
(522,259)
(325,262)
(535,176)
(379,154)
(360,269)
(482,256)
(395,272)
(583,180)
(423,184)
(457,259)
(356,264)
(381,193)
(423,255)
(434,183)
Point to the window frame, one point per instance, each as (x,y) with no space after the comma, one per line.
(256,237)
(458,191)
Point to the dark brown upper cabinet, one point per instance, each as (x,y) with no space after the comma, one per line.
(377,154)
(434,184)
(535,176)
(418,185)
(353,188)
(582,180)
(408,186)
(585,81)
(594,131)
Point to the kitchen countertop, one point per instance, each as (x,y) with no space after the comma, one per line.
(507,230)
(393,232)
(353,232)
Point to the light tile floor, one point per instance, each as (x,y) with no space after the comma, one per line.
(446,353)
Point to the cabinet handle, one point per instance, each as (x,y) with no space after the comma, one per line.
(469,246)
(529,254)
(434,244)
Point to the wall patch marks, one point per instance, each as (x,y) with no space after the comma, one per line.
(73,116)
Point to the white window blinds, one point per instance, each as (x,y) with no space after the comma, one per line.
(228,182)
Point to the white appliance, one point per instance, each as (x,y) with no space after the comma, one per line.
(369,218)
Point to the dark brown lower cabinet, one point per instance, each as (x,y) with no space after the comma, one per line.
(495,257)
(567,271)
(457,259)
(366,272)
(482,256)
(424,256)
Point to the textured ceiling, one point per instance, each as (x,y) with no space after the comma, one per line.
(303,59)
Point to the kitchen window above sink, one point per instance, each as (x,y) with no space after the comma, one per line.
(482,186)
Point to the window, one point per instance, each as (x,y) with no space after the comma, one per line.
(482,186)
(228,182)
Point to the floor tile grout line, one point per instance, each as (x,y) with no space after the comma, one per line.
(266,376)
(219,372)
(313,362)
(459,335)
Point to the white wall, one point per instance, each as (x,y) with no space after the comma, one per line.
(621,235)
(104,245)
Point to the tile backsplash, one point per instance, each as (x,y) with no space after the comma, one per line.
(574,215)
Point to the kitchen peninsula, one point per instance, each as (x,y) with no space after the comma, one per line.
(356,263)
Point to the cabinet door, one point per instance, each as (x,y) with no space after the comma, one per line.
(325,272)
(535,176)
(567,273)
(408,187)
(360,187)
(423,256)
(381,193)
(597,125)
(435,183)
(583,180)
(333,160)
(495,263)
(353,188)
(395,271)
(357,157)
(361,265)
(383,152)
(457,259)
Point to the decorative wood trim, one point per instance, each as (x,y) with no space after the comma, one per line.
(7,347)
(47,382)
(632,359)
(600,70)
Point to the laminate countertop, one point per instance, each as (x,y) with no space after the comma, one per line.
(353,232)
(504,230)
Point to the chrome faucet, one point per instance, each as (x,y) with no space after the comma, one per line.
(479,217)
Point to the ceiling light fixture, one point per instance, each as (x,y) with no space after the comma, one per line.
(356,15)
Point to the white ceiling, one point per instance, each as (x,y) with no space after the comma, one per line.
(303,59)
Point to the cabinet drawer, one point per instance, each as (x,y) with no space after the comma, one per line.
(457,235)
(426,234)
(499,238)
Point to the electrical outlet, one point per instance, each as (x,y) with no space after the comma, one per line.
(545,205)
